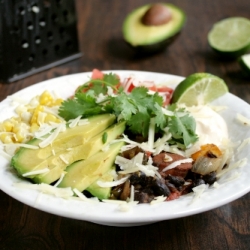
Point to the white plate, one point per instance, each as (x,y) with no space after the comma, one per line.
(111,214)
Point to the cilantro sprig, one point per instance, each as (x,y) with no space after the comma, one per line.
(136,108)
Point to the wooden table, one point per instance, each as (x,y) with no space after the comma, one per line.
(99,27)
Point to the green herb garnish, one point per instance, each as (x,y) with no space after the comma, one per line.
(136,108)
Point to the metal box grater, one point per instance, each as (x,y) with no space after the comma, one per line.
(36,35)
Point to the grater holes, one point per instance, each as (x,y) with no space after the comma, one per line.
(19,62)
(21,10)
(69,44)
(42,22)
(37,40)
(31,57)
(30,25)
(35,9)
(24,44)
(61,31)
(57,48)
(54,18)
(15,30)
(44,52)
(50,36)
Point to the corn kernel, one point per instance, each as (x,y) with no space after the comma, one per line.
(50,118)
(7,125)
(3,136)
(7,139)
(35,114)
(34,127)
(45,98)
(19,137)
(57,102)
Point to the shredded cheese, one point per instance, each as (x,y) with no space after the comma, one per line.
(60,179)
(5,155)
(242,119)
(24,145)
(52,136)
(158,199)
(132,193)
(83,197)
(63,159)
(243,144)
(238,164)
(151,133)
(198,191)
(177,163)
(112,183)
(148,170)
(83,122)
(48,189)
(73,123)
(35,172)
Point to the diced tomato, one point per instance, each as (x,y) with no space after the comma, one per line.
(165,89)
(173,196)
(97,74)
(166,93)
(153,88)
(128,85)
(148,153)
(131,87)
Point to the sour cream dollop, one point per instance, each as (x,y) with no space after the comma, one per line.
(210,127)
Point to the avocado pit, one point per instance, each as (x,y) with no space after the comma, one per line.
(152,27)
(157,14)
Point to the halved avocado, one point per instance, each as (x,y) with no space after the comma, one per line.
(152,38)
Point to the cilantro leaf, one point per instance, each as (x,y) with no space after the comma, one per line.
(83,105)
(111,79)
(123,106)
(183,129)
(139,123)
(160,118)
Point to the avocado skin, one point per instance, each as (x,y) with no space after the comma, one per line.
(101,192)
(156,43)
(153,48)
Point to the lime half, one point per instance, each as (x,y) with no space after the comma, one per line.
(245,63)
(230,36)
(199,89)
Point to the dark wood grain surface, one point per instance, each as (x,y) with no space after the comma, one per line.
(99,28)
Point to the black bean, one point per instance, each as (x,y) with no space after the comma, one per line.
(210,178)
(198,182)
(143,197)
(160,188)
(138,178)
(171,187)
(176,180)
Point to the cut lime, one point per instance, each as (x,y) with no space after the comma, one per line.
(245,63)
(230,36)
(199,89)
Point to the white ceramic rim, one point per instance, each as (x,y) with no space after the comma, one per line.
(111,214)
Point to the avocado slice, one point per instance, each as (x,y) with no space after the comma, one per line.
(102,192)
(26,159)
(59,162)
(152,38)
(82,174)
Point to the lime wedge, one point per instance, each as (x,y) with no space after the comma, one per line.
(230,36)
(199,89)
(245,63)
